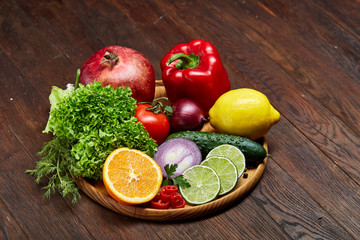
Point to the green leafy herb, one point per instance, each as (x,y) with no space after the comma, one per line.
(179,181)
(88,123)
(54,161)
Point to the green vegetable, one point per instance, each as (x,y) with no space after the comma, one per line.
(254,152)
(179,181)
(88,123)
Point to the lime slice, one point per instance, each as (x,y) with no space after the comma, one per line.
(232,153)
(204,185)
(226,171)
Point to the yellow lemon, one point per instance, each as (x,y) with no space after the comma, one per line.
(243,112)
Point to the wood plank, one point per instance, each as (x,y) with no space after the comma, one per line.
(346,14)
(202,228)
(22,107)
(10,228)
(324,181)
(286,201)
(52,19)
(154,19)
(112,27)
(330,63)
(348,149)
(49,30)
(28,211)
(20,39)
(158,23)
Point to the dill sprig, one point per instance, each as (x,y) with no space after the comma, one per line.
(55,157)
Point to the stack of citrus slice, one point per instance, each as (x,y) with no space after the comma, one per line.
(226,171)
(232,153)
(227,164)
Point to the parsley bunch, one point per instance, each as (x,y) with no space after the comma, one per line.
(88,123)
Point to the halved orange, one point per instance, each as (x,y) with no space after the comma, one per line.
(131,176)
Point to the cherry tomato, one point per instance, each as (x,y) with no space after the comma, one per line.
(158,203)
(176,200)
(157,125)
(166,191)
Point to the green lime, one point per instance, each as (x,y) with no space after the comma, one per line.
(226,171)
(204,185)
(232,153)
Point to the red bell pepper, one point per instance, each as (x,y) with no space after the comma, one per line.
(194,71)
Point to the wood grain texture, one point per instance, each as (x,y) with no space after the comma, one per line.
(21,220)
(304,55)
(10,227)
(256,69)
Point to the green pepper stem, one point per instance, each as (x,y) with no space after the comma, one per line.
(185,61)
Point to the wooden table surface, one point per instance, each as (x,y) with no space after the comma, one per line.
(304,55)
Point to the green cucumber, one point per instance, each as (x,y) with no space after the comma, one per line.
(254,152)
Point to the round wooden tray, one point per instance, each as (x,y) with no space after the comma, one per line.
(96,190)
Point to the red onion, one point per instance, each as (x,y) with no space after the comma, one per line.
(181,151)
(187,115)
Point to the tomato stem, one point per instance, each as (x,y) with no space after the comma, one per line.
(159,107)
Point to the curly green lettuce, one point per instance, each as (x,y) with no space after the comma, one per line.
(88,124)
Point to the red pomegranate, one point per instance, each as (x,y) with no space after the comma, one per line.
(120,67)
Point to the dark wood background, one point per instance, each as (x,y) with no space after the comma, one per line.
(304,55)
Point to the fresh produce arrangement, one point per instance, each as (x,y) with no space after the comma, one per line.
(108,127)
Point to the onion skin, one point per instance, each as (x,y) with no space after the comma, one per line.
(131,69)
(187,115)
